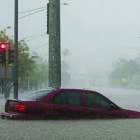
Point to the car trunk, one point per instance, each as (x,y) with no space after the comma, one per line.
(10,105)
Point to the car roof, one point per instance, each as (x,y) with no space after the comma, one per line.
(77,89)
(82,90)
(50,88)
(63,89)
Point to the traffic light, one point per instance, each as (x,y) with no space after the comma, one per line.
(4,46)
(11,56)
(2,57)
(48,5)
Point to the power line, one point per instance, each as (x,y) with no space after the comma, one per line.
(32,13)
(28,11)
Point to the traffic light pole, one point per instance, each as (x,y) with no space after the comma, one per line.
(54,44)
(16,51)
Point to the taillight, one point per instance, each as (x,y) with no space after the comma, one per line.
(20,107)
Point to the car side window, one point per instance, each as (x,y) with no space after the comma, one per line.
(68,98)
(95,100)
(60,99)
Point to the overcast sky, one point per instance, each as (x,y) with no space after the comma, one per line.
(97,32)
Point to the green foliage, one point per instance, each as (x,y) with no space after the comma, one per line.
(125,73)
(32,71)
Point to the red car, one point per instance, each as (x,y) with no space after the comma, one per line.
(65,103)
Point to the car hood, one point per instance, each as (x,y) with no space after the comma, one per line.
(130,113)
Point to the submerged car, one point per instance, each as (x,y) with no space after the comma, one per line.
(65,103)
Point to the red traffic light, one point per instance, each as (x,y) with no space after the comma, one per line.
(4,46)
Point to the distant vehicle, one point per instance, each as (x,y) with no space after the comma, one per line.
(65,104)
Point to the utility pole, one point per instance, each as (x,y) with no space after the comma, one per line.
(15,74)
(54,44)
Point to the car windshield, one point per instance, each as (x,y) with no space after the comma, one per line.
(36,95)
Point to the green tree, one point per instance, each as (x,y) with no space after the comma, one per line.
(125,71)
(32,72)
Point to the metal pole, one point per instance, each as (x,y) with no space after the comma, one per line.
(54,44)
(16,51)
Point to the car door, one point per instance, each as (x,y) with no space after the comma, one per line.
(68,104)
(99,106)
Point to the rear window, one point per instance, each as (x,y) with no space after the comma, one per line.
(36,95)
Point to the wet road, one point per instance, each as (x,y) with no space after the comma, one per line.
(125,129)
